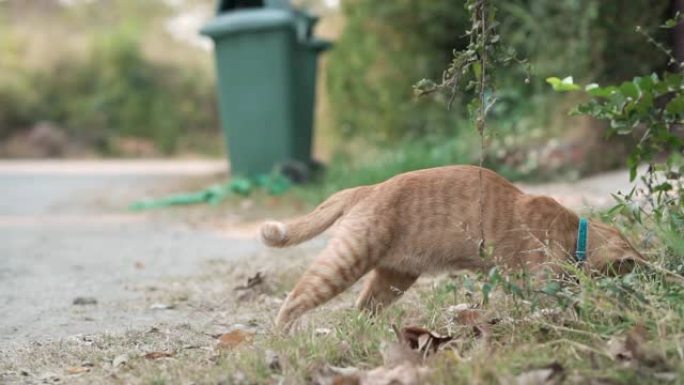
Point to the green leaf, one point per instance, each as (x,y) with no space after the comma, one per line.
(486,289)
(673,81)
(645,83)
(645,103)
(469,284)
(601,92)
(629,90)
(632,163)
(663,187)
(675,106)
(477,70)
(424,86)
(670,23)
(551,288)
(564,85)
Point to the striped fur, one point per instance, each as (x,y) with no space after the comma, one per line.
(427,221)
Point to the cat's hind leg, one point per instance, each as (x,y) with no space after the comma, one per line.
(382,287)
(343,262)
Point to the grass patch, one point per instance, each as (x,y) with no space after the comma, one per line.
(573,322)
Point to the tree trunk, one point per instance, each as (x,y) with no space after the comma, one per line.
(678,5)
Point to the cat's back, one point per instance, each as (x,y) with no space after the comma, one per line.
(449,179)
(446,192)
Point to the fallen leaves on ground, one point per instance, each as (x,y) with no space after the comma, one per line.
(551,374)
(466,315)
(469,317)
(322,331)
(120,360)
(397,353)
(234,339)
(332,375)
(421,339)
(77,369)
(405,374)
(272,360)
(256,280)
(634,349)
(403,361)
(157,355)
(162,306)
(252,288)
(81,301)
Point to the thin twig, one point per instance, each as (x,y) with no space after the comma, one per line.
(481,120)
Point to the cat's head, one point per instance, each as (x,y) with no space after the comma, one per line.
(608,251)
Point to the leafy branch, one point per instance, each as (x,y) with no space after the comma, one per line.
(472,72)
(650,107)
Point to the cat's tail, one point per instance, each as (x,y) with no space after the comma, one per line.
(279,234)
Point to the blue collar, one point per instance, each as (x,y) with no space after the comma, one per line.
(581,250)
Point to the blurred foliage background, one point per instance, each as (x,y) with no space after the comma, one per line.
(112,78)
(386,47)
(107,75)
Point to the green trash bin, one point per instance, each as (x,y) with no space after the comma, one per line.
(266,62)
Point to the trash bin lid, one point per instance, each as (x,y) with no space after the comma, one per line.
(223,6)
(248,20)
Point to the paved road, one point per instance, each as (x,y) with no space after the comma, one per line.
(65,232)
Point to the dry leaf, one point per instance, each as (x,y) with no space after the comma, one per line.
(421,339)
(161,306)
(84,301)
(331,375)
(234,338)
(256,280)
(636,343)
(406,374)
(322,331)
(469,317)
(483,331)
(273,361)
(120,360)
(634,349)
(157,355)
(50,378)
(398,353)
(458,308)
(77,370)
(616,348)
(550,375)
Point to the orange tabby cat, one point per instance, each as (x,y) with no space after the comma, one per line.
(427,221)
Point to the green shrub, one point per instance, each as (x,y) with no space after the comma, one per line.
(110,89)
(651,108)
(387,46)
(585,38)
(116,91)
